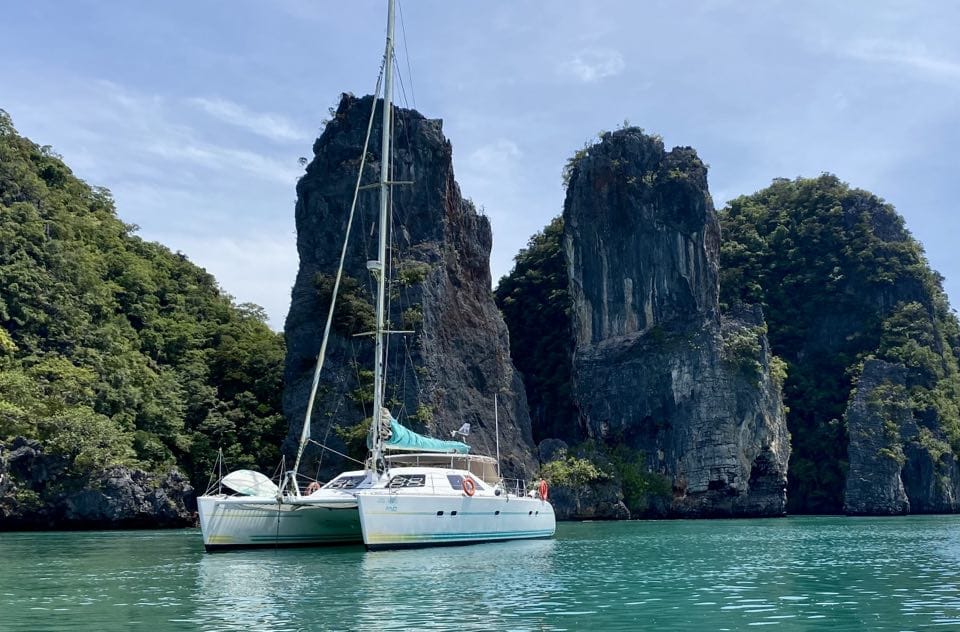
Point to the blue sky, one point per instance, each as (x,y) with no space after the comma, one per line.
(194,113)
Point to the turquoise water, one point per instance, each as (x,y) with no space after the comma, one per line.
(787,574)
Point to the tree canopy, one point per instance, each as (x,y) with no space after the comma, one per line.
(115,350)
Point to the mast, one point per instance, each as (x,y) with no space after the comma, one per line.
(496,425)
(378,267)
(291,476)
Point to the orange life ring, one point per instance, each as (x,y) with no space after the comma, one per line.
(543,489)
(469,487)
(312,487)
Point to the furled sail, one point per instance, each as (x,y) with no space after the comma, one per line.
(399,437)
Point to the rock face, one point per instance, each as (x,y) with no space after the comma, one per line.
(36,492)
(656,368)
(898,464)
(599,501)
(874,485)
(447,371)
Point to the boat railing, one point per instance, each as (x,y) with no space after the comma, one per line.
(515,486)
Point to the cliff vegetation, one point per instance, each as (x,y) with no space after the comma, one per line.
(453,357)
(840,281)
(535,303)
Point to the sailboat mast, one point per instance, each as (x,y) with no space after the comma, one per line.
(379,266)
(496,425)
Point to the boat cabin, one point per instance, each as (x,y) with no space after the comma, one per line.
(483,467)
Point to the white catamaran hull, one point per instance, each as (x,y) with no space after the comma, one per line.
(236,521)
(403,520)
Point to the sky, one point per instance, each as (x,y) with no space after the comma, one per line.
(195,113)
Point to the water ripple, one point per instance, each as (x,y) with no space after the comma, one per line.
(794,574)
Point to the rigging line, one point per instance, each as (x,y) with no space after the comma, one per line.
(399,365)
(416,380)
(403,90)
(388,264)
(346,456)
(356,370)
(368,235)
(213,472)
(396,250)
(406,130)
(278,471)
(398,247)
(326,435)
(403,382)
(406,53)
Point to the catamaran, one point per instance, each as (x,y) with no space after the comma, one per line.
(413,490)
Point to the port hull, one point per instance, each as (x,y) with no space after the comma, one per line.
(230,522)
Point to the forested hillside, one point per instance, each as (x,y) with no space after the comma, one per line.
(840,280)
(114,350)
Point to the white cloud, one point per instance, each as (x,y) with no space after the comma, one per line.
(272,126)
(494,155)
(910,55)
(592,65)
(214,157)
(262,267)
(185,187)
(151,124)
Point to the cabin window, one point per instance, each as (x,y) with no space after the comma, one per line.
(345,482)
(456,481)
(407,480)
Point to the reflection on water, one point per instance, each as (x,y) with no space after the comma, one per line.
(474,586)
(350,588)
(793,574)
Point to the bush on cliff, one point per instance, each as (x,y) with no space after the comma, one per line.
(571,471)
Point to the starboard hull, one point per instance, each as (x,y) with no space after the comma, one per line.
(391,521)
(237,522)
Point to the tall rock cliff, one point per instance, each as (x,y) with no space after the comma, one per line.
(656,367)
(448,370)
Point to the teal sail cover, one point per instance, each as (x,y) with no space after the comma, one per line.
(402,438)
